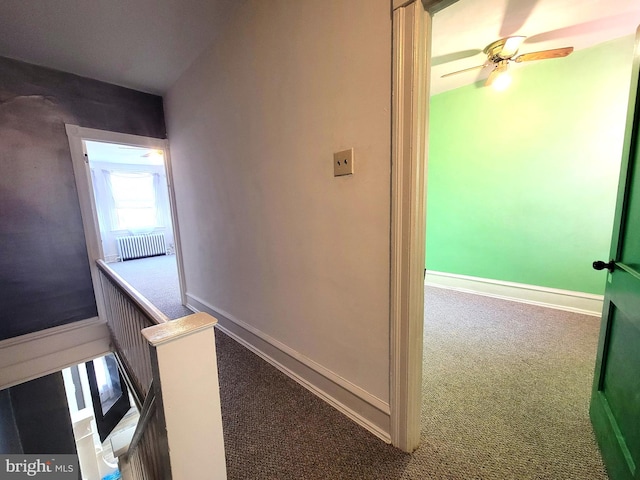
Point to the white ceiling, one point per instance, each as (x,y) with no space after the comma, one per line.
(467,26)
(141,44)
(147,44)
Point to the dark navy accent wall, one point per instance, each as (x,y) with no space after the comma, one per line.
(41,416)
(9,435)
(44,270)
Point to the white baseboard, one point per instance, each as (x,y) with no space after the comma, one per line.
(362,407)
(40,353)
(579,302)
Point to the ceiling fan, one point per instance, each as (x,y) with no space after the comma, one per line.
(501,52)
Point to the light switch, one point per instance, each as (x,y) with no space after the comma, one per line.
(343,163)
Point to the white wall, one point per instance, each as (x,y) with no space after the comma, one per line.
(270,238)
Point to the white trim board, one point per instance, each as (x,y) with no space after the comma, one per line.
(410,100)
(47,351)
(359,405)
(579,302)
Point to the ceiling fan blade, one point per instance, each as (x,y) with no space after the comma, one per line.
(495,73)
(544,54)
(452,57)
(465,70)
(492,77)
(511,46)
(515,16)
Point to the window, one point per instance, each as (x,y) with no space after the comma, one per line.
(135,200)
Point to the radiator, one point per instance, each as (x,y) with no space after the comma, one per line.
(139,246)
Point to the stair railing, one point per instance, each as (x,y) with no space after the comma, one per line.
(171,369)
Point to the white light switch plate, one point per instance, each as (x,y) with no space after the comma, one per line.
(343,163)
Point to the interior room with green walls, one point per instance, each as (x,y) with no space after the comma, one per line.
(522,183)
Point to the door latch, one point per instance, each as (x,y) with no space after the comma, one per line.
(600,265)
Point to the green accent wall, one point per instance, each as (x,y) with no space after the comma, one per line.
(522,183)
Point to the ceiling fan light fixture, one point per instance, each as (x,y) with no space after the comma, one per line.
(511,46)
(502,81)
(505,50)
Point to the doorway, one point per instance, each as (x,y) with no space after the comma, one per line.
(129,215)
(511,215)
(131,195)
(411,67)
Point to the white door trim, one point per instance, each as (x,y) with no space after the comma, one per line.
(411,66)
(88,210)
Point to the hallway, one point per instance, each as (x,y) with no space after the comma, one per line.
(506,395)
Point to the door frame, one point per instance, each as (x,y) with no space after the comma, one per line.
(411,45)
(76,136)
(411,63)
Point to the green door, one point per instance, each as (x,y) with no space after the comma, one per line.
(615,400)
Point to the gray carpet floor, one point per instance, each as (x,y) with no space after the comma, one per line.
(505,396)
(506,390)
(156,278)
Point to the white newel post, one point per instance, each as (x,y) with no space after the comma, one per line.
(187,392)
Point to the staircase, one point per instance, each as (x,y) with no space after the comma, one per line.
(171,370)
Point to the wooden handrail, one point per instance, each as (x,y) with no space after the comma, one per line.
(156,317)
(146,414)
